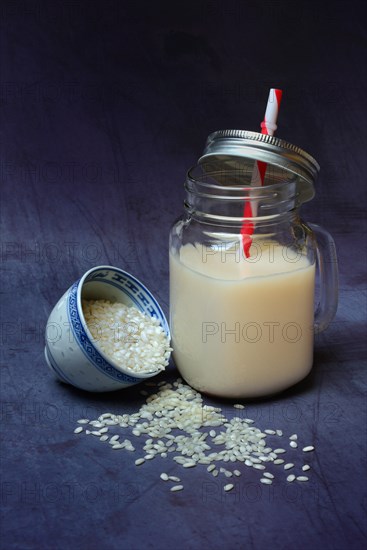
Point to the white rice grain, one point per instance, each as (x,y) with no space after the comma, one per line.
(174,478)
(266,481)
(118,446)
(190,464)
(176,488)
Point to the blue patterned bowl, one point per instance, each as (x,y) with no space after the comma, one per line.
(70,351)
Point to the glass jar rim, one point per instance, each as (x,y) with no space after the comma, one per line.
(235,181)
(268,188)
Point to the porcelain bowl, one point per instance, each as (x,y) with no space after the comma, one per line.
(70,351)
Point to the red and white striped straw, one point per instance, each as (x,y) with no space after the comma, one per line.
(268,127)
(269,124)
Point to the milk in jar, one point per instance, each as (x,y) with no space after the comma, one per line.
(241,327)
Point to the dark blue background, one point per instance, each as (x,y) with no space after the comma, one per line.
(105,105)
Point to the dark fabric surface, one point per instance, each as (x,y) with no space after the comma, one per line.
(105,105)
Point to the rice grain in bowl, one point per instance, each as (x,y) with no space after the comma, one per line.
(88,361)
(127,336)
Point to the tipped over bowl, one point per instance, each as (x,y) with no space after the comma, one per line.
(72,352)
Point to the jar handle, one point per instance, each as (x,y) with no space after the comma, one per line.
(329,280)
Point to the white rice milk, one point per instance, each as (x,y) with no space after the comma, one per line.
(241,327)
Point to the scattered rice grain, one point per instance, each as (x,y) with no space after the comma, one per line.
(190,464)
(266,481)
(178,409)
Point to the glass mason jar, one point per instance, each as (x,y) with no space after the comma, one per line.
(243,266)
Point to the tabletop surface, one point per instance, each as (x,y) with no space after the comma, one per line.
(105,105)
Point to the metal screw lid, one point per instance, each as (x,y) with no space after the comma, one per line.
(232,145)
